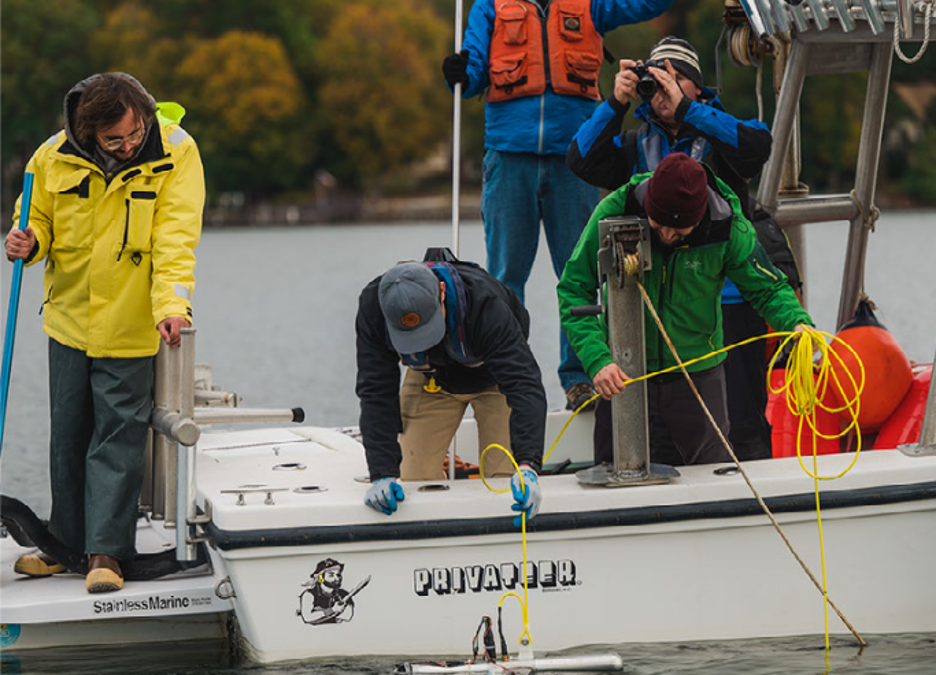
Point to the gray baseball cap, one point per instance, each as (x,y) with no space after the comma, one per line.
(412,306)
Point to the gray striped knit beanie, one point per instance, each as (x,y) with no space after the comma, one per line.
(681,54)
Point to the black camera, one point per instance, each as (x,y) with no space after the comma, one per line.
(646,83)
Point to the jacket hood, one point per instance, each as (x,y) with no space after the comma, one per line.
(715,224)
(71,106)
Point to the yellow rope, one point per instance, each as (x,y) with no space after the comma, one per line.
(805,391)
(804,395)
(800,364)
(524,601)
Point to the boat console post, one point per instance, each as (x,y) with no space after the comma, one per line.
(928,432)
(185,510)
(781,174)
(176,425)
(622,259)
(173,396)
(869,156)
(927,445)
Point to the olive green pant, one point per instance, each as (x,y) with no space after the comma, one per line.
(100,411)
(430,421)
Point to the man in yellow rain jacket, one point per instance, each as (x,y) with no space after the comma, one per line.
(116,213)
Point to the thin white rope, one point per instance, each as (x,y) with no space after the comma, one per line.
(927,13)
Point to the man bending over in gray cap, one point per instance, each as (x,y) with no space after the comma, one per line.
(463,337)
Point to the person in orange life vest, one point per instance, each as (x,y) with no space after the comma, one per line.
(463,336)
(539,62)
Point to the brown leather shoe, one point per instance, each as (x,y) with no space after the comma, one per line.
(104,574)
(37,565)
(578,395)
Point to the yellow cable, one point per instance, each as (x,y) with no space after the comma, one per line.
(805,391)
(654,374)
(566,425)
(800,393)
(524,602)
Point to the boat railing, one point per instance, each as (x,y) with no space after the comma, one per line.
(184,402)
(771,17)
(828,37)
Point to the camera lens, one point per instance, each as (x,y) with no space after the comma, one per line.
(647,87)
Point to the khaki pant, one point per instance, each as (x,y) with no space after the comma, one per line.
(431,419)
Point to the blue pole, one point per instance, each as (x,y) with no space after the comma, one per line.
(13,308)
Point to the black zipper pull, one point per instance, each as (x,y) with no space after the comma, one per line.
(46,301)
(126,231)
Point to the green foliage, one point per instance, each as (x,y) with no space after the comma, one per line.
(920,176)
(277,89)
(381,92)
(44,55)
(832,110)
(248,110)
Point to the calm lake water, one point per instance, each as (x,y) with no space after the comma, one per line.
(274,310)
(890,655)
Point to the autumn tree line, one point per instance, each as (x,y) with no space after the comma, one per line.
(279,91)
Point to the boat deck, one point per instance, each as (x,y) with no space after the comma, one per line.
(58,611)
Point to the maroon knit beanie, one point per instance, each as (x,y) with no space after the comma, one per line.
(677,195)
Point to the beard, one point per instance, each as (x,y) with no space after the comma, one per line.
(334,585)
(122,156)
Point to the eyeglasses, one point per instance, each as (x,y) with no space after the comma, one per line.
(131,140)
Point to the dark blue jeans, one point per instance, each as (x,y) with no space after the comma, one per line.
(520,191)
(100,411)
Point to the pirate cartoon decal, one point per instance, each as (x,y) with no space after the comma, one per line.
(324,600)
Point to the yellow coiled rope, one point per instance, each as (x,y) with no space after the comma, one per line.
(806,390)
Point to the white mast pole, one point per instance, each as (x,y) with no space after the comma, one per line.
(456,178)
(456,134)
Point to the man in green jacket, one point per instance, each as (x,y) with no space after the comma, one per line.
(699,237)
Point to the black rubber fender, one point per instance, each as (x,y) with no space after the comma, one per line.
(27,529)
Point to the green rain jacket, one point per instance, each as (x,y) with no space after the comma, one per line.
(684,282)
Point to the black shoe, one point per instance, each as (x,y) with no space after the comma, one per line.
(578,395)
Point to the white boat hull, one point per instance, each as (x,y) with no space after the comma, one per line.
(692,560)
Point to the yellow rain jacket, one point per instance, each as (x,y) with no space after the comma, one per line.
(120,253)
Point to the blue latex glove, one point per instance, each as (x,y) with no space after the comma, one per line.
(384,494)
(529,496)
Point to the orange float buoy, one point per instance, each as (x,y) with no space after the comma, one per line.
(906,423)
(887,369)
(785,424)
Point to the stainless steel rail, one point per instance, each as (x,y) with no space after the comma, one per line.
(176,423)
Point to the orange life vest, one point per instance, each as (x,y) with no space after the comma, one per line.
(518,56)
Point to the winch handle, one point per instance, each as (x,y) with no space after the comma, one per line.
(587,310)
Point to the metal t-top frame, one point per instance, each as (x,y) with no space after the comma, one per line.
(841,45)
